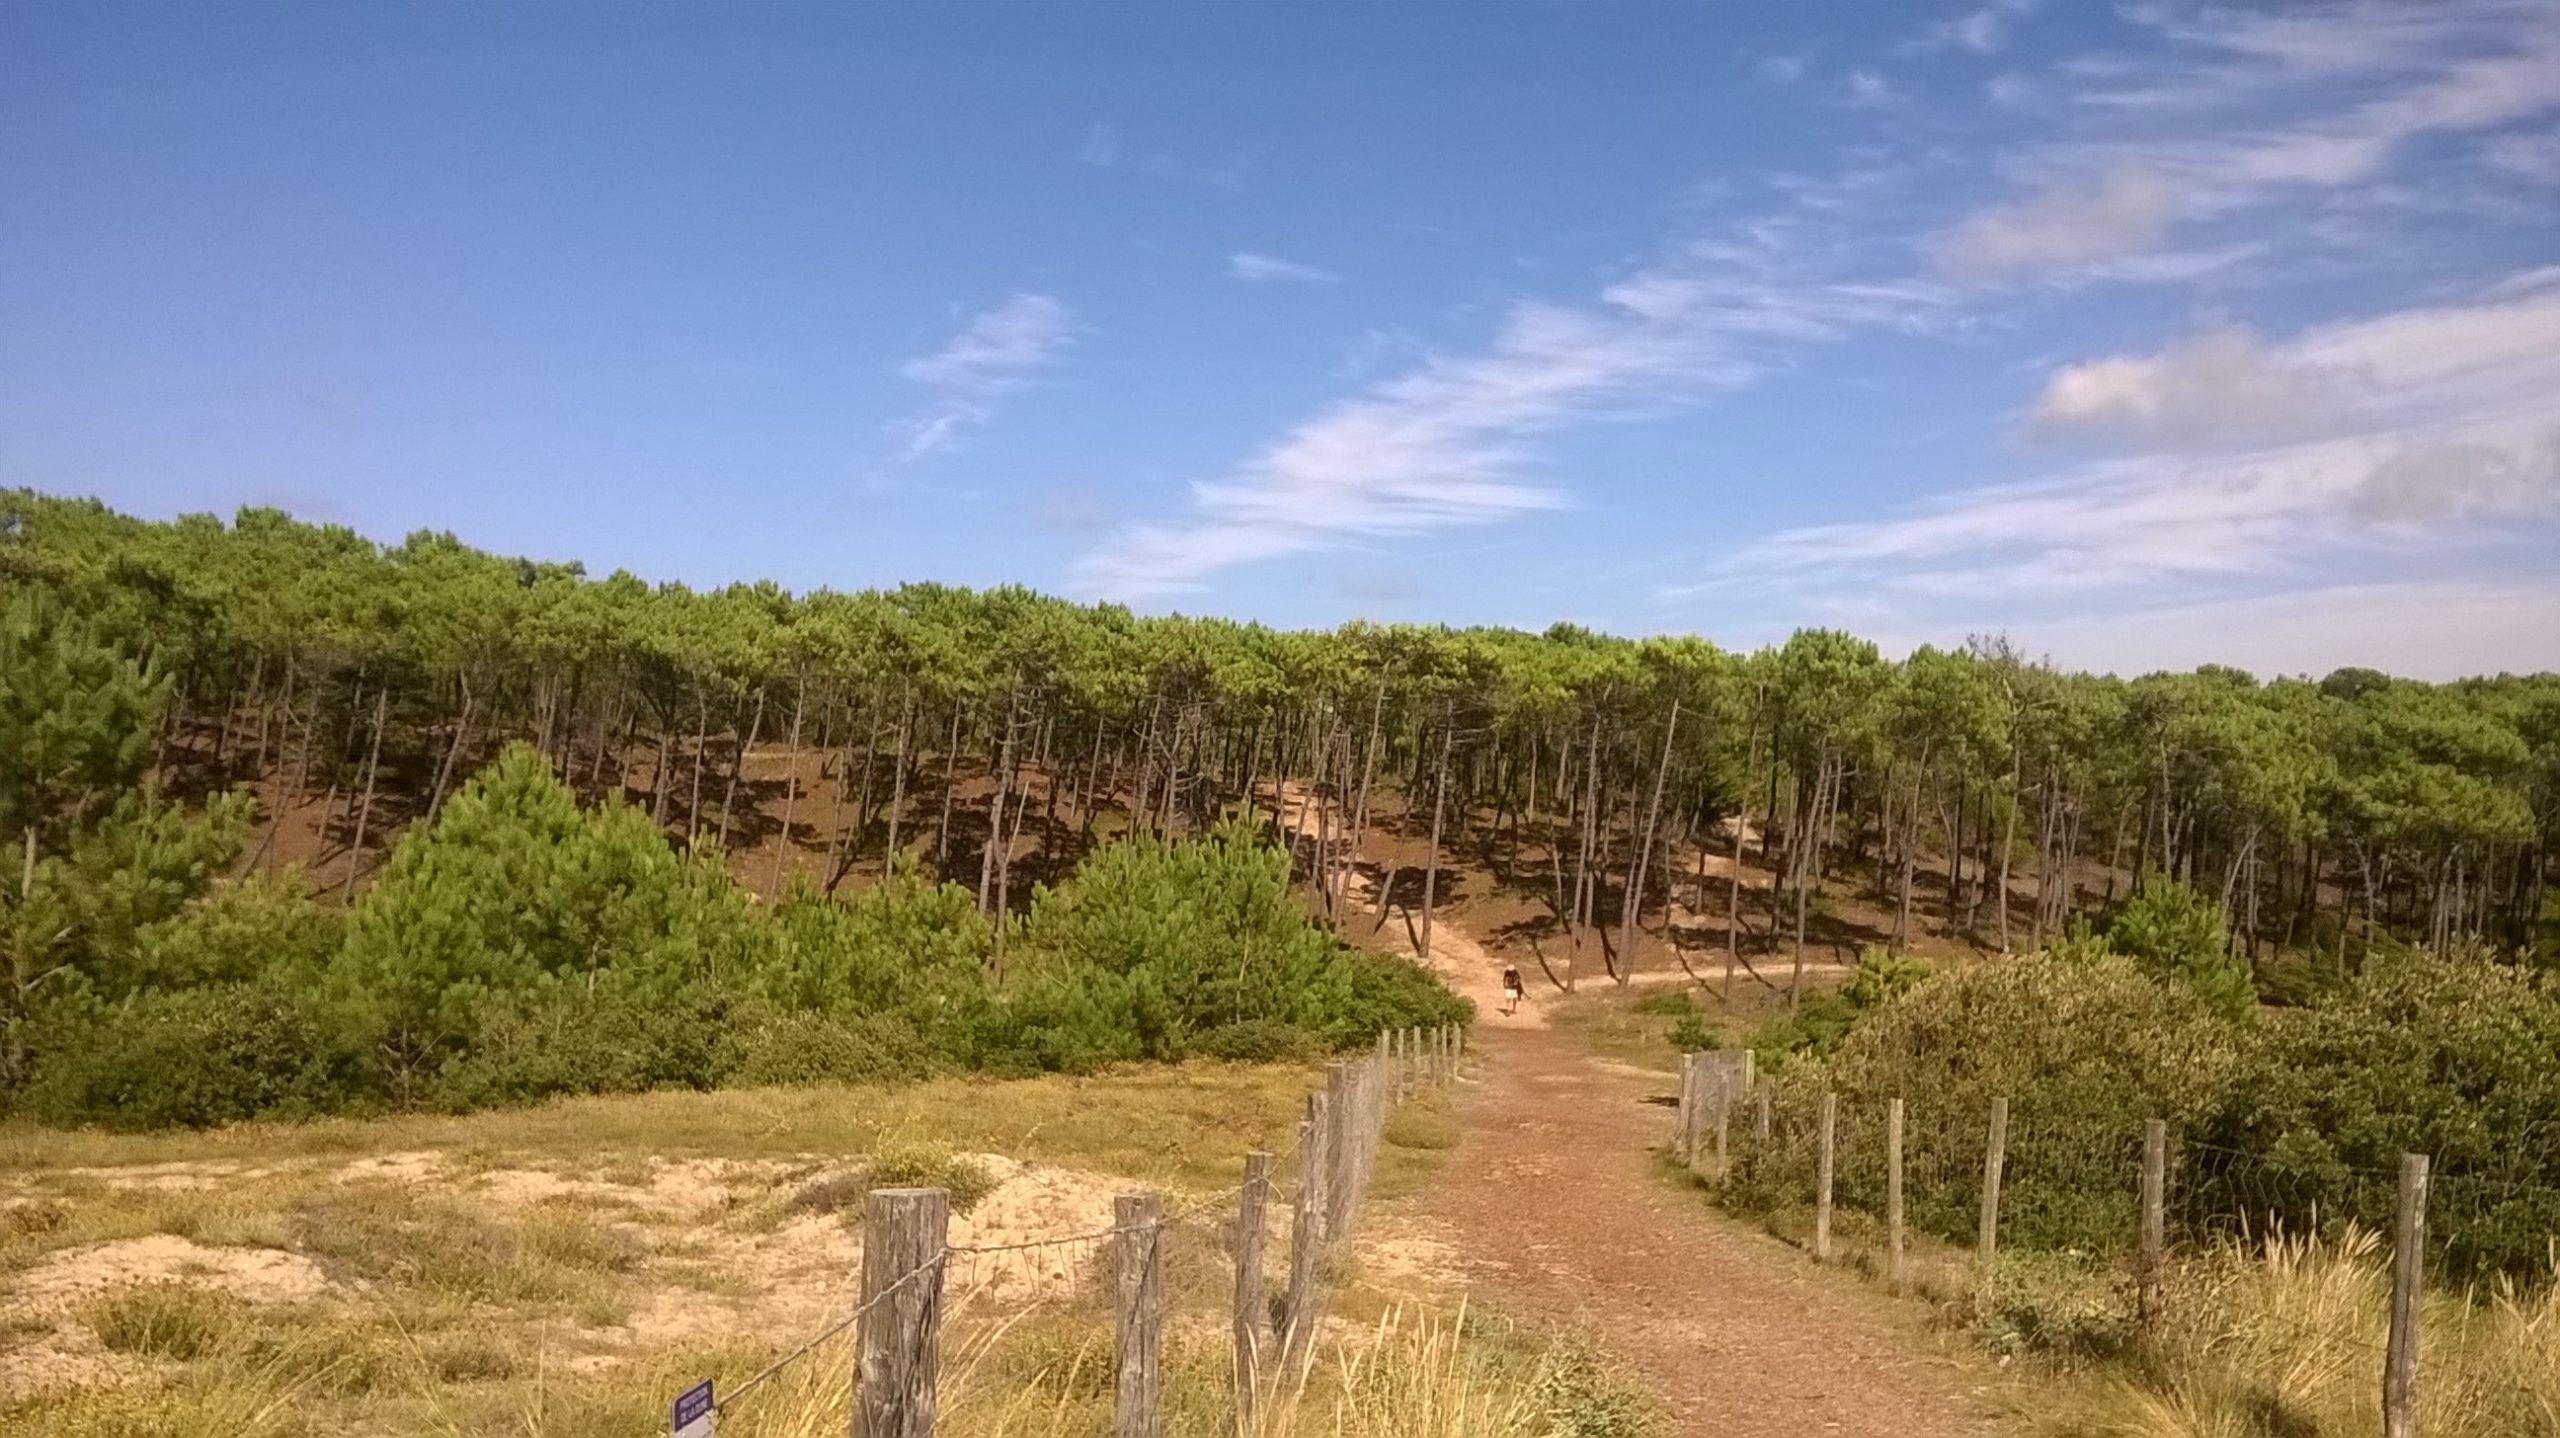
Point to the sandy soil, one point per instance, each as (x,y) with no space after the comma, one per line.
(1552,1202)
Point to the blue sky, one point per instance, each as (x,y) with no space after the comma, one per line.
(2150,335)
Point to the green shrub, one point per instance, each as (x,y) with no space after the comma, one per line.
(763,1045)
(190,1058)
(1256,1041)
(523,946)
(1689,1034)
(2450,1057)
(1881,977)
(1665,1003)
(2084,1051)
(2176,935)
(515,887)
(1815,1028)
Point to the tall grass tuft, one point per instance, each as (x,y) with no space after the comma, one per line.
(2285,1339)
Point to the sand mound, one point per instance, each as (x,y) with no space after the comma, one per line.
(260,1275)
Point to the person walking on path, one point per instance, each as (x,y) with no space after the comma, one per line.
(1512,993)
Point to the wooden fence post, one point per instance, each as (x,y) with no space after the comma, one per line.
(1306,1236)
(1692,1114)
(1987,1238)
(1724,1124)
(2155,1189)
(1251,1201)
(1341,1150)
(1138,1330)
(1896,1262)
(1822,1178)
(898,1346)
(2408,1269)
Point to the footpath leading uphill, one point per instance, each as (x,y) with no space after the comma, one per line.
(1552,1197)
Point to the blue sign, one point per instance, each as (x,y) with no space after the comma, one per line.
(693,1412)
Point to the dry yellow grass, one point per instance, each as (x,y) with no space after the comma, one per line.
(562,1271)
(2286,1339)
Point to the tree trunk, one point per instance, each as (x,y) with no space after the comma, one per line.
(950,785)
(989,857)
(791,790)
(452,753)
(737,765)
(898,782)
(1644,854)
(1431,861)
(364,810)
(701,747)
(1741,825)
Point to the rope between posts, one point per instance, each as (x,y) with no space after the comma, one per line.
(1096,1236)
(940,1263)
(911,1275)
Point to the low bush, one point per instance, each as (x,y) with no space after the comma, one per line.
(2293,1117)
(523,946)
(2084,1051)
(2449,1056)
(191,1058)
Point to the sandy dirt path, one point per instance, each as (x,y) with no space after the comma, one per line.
(1552,1203)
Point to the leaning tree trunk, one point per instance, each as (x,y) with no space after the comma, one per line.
(1431,860)
(791,790)
(950,786)
(364,810)
(452,753)
(1644,854)
(898,784)
(737,765)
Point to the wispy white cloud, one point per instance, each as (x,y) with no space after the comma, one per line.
(2425,629)
(1982,30)
(2074,222)
(996,352)
(1868,90)
(2221,387)
(1104,150)
(1444,444)
(1101,145)
(2248,108)
(1253,267)
(2532,156)
(2411,432)
(1781,69)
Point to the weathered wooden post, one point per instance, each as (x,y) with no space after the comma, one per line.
(1138,1328)
(1724,1125)
(1896,1262)
(1306,1236)
(898,1345)
(1692,1114)
(1251,1203)
(2154,1250)
(1342,1149)
(2408,1270)
(1822,1178)
(1987,1236)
